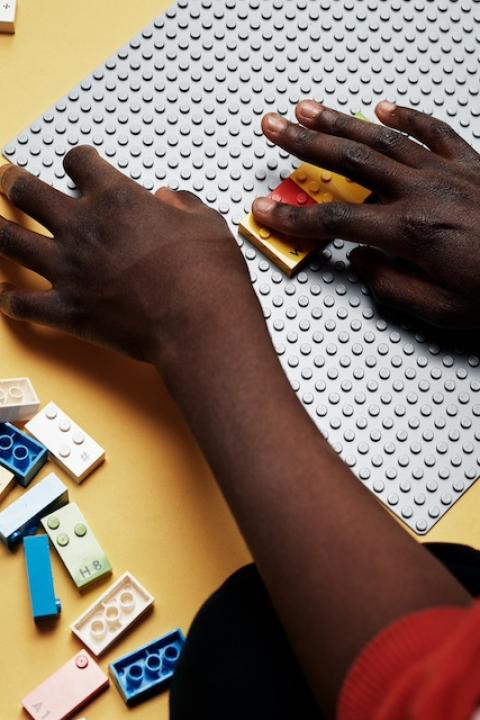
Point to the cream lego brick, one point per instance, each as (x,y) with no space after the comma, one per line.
(70,446)
(112,614)
(7,481)
(77,546)
(67,690)
(18,399)
(8,12)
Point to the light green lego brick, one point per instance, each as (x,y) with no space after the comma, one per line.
(77,546)
(360,116)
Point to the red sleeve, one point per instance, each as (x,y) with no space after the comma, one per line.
(425,666)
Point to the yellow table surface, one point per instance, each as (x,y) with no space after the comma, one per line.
(153,504)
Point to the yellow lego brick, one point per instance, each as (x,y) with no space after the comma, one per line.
(326,186)
(287,254)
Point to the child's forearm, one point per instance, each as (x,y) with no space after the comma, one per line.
(337,567)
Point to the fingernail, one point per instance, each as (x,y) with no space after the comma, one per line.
(386,106)
(3,170)
(275,123)
(263,205)
(309,109)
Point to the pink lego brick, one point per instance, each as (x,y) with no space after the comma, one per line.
(67,690)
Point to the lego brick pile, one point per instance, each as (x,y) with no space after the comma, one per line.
(42,517)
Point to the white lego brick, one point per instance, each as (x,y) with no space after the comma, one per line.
(115,612)
(8,11)
(7,481)
(18,399)
(75,451)
(23,515)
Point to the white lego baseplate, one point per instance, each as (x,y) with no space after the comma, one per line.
(8,11)
(122,605)
(76,452)
(18,400)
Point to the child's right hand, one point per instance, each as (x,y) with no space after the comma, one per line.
(428,212)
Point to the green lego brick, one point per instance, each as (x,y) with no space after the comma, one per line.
(77,546)
(360,116)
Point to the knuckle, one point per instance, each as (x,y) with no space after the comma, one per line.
(117,196)
(417,227)
(6,236)
(354,155)
(441,130)
(339,123)
(289,216)
(19,188)
(422,226)
(302,137)
(388,140)
(333,214)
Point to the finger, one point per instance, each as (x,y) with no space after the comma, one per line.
(34,197)
(434,133)
(88,169)
(30,249)
(41,307)
(399,289)
(357,223)
(181,199)
(382,139)
(355,160)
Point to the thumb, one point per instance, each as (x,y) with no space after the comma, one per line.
(397,287)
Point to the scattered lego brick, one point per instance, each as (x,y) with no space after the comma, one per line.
(77,546)
(7,481)
(360,116)
(40,579)
(67,690)
(20,453)
(112,614)
(18,400)
(23,516)
(327,186)
(147,671)
(8,12)
(75,451)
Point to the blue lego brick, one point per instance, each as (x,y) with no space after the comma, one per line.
(148,670)
(23,516)
(20,453)
(40,578)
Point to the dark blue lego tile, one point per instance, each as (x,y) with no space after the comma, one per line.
(20,453)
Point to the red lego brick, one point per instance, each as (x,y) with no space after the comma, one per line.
(290,193)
